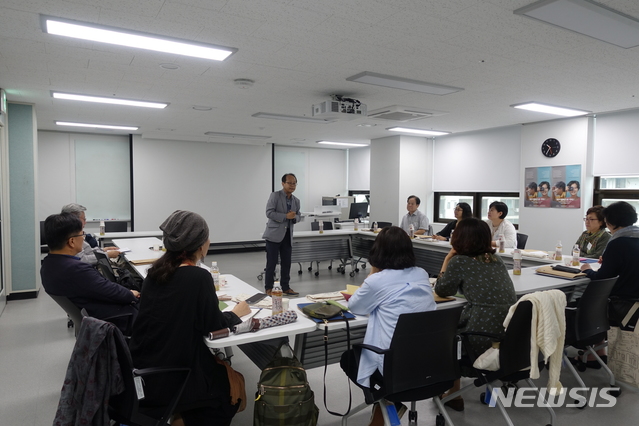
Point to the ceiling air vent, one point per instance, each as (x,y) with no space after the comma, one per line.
(403,114)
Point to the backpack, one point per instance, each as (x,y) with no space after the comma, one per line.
(283,395)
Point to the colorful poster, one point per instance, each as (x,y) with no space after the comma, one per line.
(556,186)
(537,187)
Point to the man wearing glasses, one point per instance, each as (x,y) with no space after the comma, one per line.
(63,274)
(282,211)
(90,245)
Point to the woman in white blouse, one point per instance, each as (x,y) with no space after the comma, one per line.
(498,224)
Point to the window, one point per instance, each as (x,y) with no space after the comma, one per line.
(611,189)
(445,203)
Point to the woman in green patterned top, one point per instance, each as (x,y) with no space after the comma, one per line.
(473,269)
(594,239)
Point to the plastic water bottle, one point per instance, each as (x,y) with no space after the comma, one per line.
(276,299)
(575,255)
(516,262)
(321,227)
(374,226)
(501,243)
(451,235)
(102,227)
(411,231)
(215,271)
(558,255)
(356,224)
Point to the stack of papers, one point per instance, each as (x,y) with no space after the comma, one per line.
(322,297)
(264,303)
(535,253)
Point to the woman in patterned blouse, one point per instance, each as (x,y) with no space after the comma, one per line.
(594,239)
(473,269)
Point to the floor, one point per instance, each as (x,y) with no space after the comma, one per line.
(35,346)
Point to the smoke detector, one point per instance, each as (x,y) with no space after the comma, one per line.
(243,83)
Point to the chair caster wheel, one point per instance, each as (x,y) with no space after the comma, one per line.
(482,398)
(299,272)
(330,267)
(343,271)
(363,266)
(581,367)
(310,269)
(615,393)
(356,270)
(439,420)
(352,274)
(317,274)
(260,278)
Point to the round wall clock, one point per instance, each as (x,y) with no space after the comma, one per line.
(550,147)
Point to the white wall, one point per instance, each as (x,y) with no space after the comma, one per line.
(616,150)
(385,162)
(359,169)
(545,226)
(486,160)
(228,184)
(320,172)
(415,174)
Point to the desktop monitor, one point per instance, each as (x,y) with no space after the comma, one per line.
(358,210)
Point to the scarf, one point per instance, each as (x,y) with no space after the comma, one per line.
(626,231)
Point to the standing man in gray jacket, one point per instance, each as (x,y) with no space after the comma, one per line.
(282,211)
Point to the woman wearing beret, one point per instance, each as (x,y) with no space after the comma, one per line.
(179,307)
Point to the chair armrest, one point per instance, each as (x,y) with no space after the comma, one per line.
(481,333)
(159,370)
(373,348)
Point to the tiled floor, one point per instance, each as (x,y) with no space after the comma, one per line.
(35,345)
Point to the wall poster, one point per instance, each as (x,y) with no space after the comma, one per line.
(556,186)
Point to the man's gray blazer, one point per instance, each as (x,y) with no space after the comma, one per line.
(276,213)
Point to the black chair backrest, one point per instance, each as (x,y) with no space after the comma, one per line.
(328,226)
(521,241)
(115,226)
(72,311)
(591,317)
(424,350)
(43,239)
(514,349)
(104,266)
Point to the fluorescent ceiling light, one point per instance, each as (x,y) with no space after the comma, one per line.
(113,101)
(586,17)
(417,131)
(341,143)
(290,118)
(130,38)
(403,83)
(551,109)
(236,135)
(96,126)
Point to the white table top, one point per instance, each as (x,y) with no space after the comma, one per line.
(236,286)
(135,234)
(529,281)
(141,248)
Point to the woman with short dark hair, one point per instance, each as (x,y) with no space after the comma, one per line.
(395,286)
(462,211)
(620,259)
(472,268)
(594,239)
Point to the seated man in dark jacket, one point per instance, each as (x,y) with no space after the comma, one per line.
(63,274)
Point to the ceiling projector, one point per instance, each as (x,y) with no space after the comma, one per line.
(339,108)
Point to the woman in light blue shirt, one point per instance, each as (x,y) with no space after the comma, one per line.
(395,286)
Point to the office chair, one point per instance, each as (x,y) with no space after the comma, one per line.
(521,241)
(328,226)
(586,326)
(73,312)
(382,225)
(115,226)
(104,267)
(421,362)
(514,360)
(44,248)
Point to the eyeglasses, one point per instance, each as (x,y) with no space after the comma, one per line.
(590,220)
(291,183)
(573,188)
(79,235)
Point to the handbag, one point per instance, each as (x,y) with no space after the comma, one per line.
(623,354)
(321,310)
(236,385)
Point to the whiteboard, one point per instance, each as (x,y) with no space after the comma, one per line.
(228,184)
(103,178)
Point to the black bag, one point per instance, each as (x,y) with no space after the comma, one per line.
(284,396)
(126,279)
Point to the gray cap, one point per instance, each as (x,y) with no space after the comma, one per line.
(184,231)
